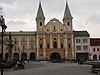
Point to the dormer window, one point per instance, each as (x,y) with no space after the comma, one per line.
(40,23)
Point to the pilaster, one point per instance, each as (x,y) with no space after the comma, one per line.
(59,41)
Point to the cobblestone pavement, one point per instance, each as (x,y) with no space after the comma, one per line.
(53,69)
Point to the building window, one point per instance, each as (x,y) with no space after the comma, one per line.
(85,47)
(54,39)
(31,39)
(61,45)
(55,44)
(68,38)
(47,29)
(40,23)
(32,46)
(48,46)
(84,40)
(98,49)
(15,48)
(40,39)
(78,47)
(61,29)
(24,39)
(78,40)
(68,23)
(68,45)
(54,27)
(15,39)
(94,49)
(40,45)
(23,46)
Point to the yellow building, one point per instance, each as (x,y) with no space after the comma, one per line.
(53,40)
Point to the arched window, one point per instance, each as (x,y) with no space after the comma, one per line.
(94,57)
(68,23)
(40,23)
(55,44)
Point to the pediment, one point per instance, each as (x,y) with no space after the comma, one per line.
(54,25)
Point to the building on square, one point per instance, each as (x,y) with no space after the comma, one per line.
(81,44)
(54,40)
(95,48)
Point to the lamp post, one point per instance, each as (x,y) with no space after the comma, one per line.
(3,26)
(10,45)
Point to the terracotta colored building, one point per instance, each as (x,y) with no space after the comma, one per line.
(53,40)
(95,48)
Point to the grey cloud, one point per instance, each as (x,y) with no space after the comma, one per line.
(94,18)
(25,10)
(15,22)
(8,1)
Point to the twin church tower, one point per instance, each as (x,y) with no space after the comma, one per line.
(54,40)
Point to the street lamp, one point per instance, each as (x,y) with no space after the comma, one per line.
(3,26)
(10,45)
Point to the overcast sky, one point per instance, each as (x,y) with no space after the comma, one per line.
(21,14)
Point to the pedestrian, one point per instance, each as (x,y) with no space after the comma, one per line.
(81,61)
(78,60)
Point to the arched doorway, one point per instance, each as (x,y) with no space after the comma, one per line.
(94,57)
(99,57)
(55,56)
(15,57)
(6,56)
(32,56)
(24,57)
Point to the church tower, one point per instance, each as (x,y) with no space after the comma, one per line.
(40,35)
(40,19)
(68,29)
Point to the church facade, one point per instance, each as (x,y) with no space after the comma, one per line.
(53,40)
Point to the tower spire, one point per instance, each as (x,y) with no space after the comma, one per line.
(67,14)
(40,14)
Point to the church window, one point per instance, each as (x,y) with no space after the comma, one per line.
(40,23)
(54,27)
(47,29)
(40,45)
(68,45)
(61,45)
(54,21)
(55,44)
(68,38)
(55,39)
(15,48)
(68,23)
(48,46)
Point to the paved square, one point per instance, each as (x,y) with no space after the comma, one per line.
(43,68)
